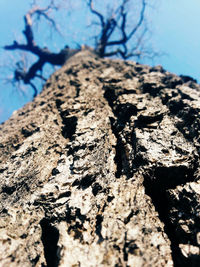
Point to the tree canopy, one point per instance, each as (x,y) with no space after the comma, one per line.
(118,28)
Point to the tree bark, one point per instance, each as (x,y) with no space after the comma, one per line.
(102,169)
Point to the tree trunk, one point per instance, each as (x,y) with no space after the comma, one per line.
(102,169)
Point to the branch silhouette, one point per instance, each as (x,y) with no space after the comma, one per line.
(115,38)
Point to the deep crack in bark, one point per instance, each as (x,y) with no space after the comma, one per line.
(50,237)
(156,181)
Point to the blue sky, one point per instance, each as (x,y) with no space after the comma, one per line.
(175,32)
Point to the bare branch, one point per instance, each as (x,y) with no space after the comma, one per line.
(28,30)
(98,14)
(41,77)
(113,39)
(140,20)
(15,46)
(34,89)
(116,25)
(125,37)
(43,54)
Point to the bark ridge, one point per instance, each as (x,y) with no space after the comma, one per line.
(102,169)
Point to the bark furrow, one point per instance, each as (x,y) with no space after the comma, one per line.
(102,169)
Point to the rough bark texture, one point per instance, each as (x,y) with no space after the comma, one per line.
(102,169)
